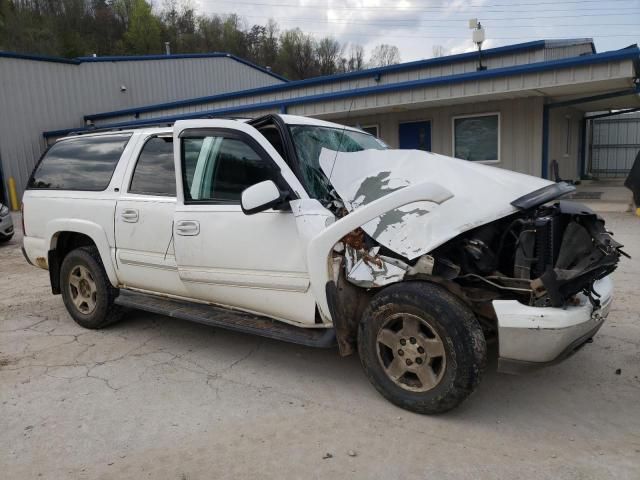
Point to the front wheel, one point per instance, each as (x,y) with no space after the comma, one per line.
(86,289)
(421,347)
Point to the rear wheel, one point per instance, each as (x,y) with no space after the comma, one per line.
(87,293)
(421,347)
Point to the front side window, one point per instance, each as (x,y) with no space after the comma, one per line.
(218,168)
(83,163)
(477,137)
(155,170)
(309,140)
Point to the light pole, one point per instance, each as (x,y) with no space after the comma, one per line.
(478,38)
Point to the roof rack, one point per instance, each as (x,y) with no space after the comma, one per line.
(93,129)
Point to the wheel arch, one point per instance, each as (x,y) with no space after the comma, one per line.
(65,236)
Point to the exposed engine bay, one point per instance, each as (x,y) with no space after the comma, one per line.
(542,256)
(483,233)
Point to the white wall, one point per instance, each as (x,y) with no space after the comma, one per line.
(564,141)
(520,129)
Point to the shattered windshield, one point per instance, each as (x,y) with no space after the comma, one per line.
(309,140)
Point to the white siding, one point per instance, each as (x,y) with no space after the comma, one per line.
(520,129)
(564,141)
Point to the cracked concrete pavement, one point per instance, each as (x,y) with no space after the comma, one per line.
(155,397)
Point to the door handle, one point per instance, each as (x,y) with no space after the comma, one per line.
(187,228)
(129,215)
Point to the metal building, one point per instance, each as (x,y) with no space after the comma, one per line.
(527,111)
(44,93)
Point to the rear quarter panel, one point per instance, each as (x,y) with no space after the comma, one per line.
(46,213)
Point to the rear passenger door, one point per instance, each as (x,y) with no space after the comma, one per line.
(143,220)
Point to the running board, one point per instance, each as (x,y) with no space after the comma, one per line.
(229,319)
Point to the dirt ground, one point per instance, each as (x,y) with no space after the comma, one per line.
(154,397)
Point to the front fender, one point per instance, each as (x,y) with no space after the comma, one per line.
(90,229)
(320,246)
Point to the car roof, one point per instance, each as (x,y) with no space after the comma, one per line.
(288,119)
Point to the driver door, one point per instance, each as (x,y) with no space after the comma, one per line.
(252,262)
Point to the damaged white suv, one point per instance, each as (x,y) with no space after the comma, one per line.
(316,233)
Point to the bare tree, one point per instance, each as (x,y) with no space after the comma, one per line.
(439,51)
(384,55)
(328,53)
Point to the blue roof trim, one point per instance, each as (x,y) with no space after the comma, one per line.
(371,72)
(39,58)
(137,58)
(629,53)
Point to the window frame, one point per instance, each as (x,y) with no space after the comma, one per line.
(474,115)
(371,125)
(72,138)
(233,135)
(135,166)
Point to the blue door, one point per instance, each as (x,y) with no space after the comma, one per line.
(415,135)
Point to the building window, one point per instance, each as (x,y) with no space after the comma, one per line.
(477,137)
(372,129)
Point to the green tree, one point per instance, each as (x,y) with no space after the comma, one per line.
(143,30)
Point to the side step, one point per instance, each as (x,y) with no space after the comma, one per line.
(230,319)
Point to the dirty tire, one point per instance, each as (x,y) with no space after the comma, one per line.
(6,239)
(443,319)
(85,262)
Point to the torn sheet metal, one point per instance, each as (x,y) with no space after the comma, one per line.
(367,269)
(482,194)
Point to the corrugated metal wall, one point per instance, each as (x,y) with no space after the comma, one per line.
(615,142)
(36,96)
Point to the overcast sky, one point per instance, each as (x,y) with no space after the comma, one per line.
(415,26)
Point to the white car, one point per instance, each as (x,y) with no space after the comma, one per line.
(316,233)
(6,224)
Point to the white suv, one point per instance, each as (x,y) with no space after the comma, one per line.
(317,233)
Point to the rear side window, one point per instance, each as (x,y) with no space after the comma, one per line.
(79,163)
(155,170)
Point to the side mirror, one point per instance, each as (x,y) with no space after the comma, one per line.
(260,197)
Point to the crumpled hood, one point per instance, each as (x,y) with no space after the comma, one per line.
(481,194)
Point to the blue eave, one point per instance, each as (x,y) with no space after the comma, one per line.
(137,58)
(371,72)
(628,53)
(39,58)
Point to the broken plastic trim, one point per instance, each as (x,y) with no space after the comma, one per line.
(543,195)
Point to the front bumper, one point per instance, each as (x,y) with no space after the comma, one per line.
(534,337)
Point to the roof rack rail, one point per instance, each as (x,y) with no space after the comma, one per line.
(93,129)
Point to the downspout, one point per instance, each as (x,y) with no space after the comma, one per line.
(545,141)
(583,149)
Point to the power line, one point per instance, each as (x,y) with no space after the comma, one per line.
(464,36)
(430,8)
(391,23)
(465,19)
